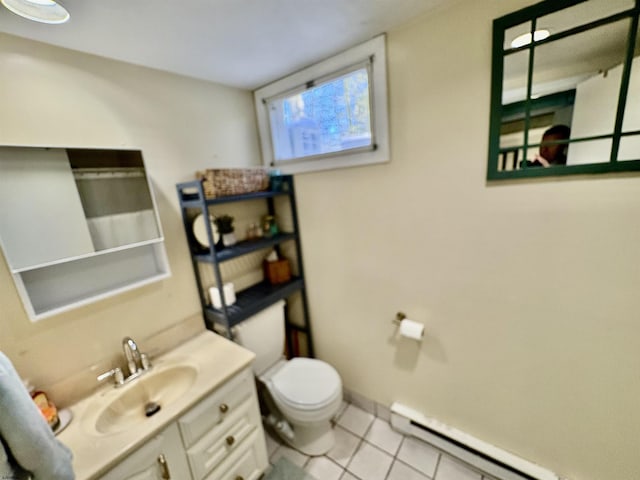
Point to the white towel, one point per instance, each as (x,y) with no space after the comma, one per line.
(28,447)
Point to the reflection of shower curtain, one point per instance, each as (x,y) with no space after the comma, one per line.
(112,231)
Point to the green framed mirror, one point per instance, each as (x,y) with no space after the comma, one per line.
(565,90)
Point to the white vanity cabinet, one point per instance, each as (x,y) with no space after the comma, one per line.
(220,438)
(223,434)
(160,458)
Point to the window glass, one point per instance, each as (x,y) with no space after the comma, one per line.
(586,153)
(330,117)
(514,81)
(332,114)
(514,88)
(631,121)
(630,145)
(582,14)
(591,62)
(518,32)
(629,148)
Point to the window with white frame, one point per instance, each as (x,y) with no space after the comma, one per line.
(332,114)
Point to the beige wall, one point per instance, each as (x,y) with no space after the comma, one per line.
(529,290)
(55,97)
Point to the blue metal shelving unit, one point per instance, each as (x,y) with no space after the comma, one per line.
(257,297)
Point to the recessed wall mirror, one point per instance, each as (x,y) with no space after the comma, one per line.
(565,95)
(77,224)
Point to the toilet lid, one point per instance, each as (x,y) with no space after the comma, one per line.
(306,382)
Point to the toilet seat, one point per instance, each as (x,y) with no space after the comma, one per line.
(306,389)
(306,383)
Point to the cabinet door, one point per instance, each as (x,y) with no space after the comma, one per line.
(161,458)
(41,215)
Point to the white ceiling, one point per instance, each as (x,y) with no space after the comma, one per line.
(242,43)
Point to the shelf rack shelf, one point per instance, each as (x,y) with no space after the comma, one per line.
(243,248)
(253,299)
(261,295)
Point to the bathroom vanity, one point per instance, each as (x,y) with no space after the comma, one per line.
(208,427)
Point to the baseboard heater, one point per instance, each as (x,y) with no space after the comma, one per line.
(476,453)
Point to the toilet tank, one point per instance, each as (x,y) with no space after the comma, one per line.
(263,334)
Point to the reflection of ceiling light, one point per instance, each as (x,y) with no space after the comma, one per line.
(525,39)
(44,11)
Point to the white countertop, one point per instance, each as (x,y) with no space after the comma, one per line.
(216,360)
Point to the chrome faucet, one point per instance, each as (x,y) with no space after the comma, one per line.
(137,364)
(132,354)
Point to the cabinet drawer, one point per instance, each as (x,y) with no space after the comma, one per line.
(214,410)
(224,439)
(247,463)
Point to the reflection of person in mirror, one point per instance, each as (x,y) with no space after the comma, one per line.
(550,152)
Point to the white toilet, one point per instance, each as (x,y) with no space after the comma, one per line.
(306,392)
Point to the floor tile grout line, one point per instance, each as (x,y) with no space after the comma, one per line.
(306,462)
(361,441)
(352,474)
(333,461)
(393,459)
(359,437)
(351,431)
(411,467)
(364,435)
(395,456)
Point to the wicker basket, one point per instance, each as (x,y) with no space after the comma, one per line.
(222,182)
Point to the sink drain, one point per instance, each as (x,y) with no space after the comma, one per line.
(151,408)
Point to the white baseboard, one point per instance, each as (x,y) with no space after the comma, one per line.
(477,453)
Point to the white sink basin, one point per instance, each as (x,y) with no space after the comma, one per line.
(119,409)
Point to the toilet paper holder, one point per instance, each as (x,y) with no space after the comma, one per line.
(399,317)
(408,328)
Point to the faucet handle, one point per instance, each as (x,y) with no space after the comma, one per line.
(116,373)
(145,362)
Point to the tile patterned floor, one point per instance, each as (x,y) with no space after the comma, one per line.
(367,448)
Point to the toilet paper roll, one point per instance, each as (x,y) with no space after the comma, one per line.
(228,292)
(411,329)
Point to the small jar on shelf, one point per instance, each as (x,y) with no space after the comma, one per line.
(254,232)
(269,226)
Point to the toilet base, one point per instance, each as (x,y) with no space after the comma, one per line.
(312,440)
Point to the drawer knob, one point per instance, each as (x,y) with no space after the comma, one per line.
(224,408)
(239,478)
(230,440)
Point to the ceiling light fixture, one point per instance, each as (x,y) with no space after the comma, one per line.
(44,11)
(525,39)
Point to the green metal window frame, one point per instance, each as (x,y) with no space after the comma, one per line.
(531,14)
